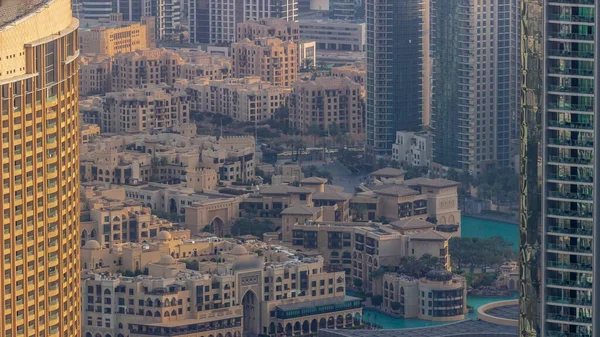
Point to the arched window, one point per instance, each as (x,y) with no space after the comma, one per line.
(149,313)
(278,279)
(120,325)
(89,334)
(157,314)
(106,292)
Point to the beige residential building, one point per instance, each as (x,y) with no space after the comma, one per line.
(246,99)
(147,66)
(356,71)
(325,101)
(88,132)
(94,74)
(242,294)
(438,296)
(198,63)
(145,109)
(335,34)
(112,36)
(169,157)
(271,59)
(361,248)
(268,27)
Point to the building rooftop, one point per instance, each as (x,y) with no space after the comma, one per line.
(389,172)
(408,224)
(12,10)
(301,210)
(430,235)
(438,182)
(395,190)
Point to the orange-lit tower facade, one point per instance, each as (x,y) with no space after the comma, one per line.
(39,267)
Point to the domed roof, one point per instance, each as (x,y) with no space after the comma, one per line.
(163,236)
(439,275)
(166,260)
(239,250)
(92,244)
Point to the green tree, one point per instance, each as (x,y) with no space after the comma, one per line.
(394,164)
(381,163)
(334,129)
(377,300)
(358,283)
(415,172)
(314,130)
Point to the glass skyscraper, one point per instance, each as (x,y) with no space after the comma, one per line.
(397,71)
(560,49)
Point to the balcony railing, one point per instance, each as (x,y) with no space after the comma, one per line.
(572,266)
(567,283)
(573,301)
(571,53)
(571,125)
(571,107)
(571,160)
(571,18)
(572,196)
(571,71)
(569,318)
(571,36)
(570,142)
(569,248)
(576,231)
(565,177)
(571,89)
(571,213)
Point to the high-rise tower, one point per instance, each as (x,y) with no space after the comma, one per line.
(39,268)
(475,83)
(570,290)
(398,71)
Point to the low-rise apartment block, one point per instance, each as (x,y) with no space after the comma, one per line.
(246,99)
(271,59)
(112,36)
(145,109)
(413,148)
(268,27)
(94,74)
(325,101)
(147,66)
(438,296)
(356,71)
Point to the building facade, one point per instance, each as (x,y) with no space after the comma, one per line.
(245,99)
(413,148)
(215,21)
(148,66)
(398,71)
(114,36)
(475,100)
(94,74)
(335,35)
(327,101)
(244,294)
(268,27)
(271,59)
(39,81)
(563,89)
(141,110)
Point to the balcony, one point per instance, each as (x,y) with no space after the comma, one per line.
(569,248)
(570,160)
(571,18)
(566,177)
(569,318)
(570,142)
(575,231)
(571,71)
(571,36)
(570,196)
(571,266)
(572,2)
(571,125)
(566,283)
(557,333)
(571,89)
(570,213)
(572,301)
(571,53)
(571,107)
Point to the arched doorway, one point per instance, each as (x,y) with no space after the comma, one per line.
(218,227)
(313,325)
(322,323)
(172,206)
(251,314)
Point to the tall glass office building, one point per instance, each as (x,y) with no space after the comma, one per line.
(561,38)
(397,71)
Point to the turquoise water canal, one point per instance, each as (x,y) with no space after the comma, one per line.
(471,227)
